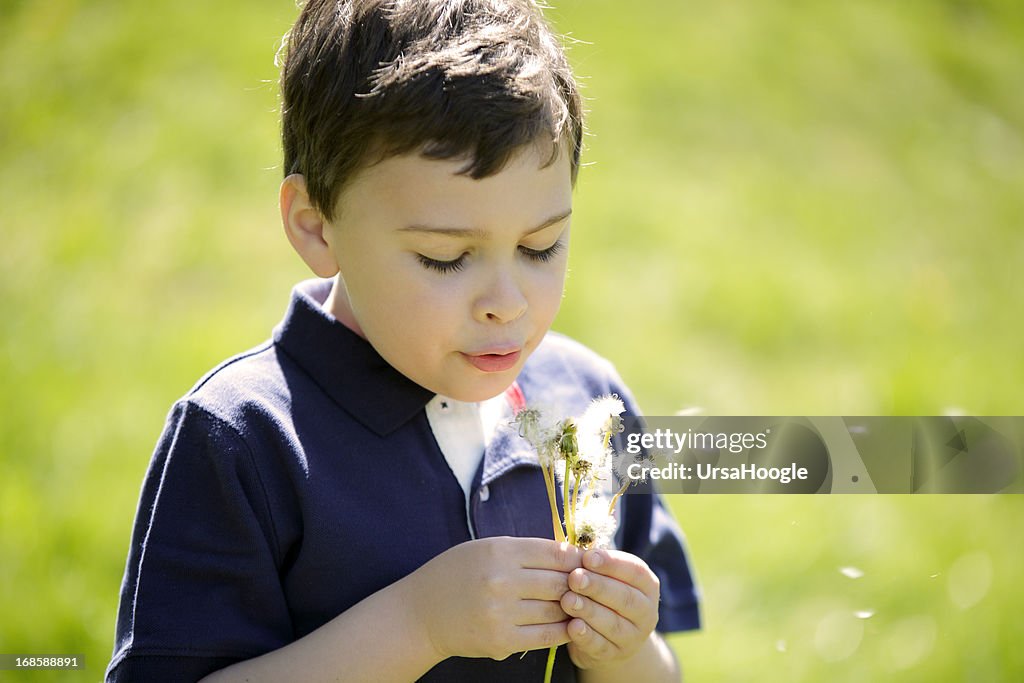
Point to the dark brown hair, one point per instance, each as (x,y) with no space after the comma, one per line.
(362,80)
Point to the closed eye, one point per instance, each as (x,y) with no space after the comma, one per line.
(455,265)
(542,255)
(452,266)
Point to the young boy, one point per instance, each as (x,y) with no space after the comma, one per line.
(348,501)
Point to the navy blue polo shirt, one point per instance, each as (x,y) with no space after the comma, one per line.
(298,478)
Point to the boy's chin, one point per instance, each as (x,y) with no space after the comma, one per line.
(488,388)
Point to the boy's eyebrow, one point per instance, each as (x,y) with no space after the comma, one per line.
(477,232)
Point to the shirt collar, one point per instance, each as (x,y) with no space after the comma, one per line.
(507,450)
(344,365)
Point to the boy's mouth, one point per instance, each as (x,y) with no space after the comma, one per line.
(493,362)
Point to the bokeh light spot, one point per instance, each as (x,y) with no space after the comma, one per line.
(969,579)
(838,636)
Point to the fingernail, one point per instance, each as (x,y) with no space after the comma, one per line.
(596,559)
(577,603)
(583,628)
(584,580)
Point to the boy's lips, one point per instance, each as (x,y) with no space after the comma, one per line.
(497,361)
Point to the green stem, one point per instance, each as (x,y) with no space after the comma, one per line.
(615,498)
(551,664)
(549,484)
(592,484)
(575,497)
(570,528)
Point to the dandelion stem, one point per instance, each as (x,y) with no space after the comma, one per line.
(591,487)
(575,496)
(549,484)
(590,491)
(570,530)
(551,664)
(615,498)
(592,484)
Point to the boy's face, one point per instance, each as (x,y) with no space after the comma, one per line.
(454,281)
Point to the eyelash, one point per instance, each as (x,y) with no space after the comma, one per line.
(542,256)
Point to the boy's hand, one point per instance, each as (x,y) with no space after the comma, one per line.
(613,600)
(493,597)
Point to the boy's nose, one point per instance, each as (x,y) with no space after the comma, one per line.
(503,301)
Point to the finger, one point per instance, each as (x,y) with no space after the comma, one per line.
(591,643)
(542,584)
(530,612)
(540,553)
(617,596)
(625,567)
(612,626)
(539,636)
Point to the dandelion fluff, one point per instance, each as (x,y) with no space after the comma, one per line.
(541,431)
(594,526)
(596,427)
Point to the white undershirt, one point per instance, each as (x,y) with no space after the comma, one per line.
(462,431)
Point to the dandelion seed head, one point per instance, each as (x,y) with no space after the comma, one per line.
(594,526)
(598,424)
(568,445)
(602,416)
(540,431)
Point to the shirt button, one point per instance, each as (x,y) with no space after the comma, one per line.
(485,493)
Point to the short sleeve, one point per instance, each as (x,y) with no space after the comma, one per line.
(201,588)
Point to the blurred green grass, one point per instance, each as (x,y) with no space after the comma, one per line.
(789,208)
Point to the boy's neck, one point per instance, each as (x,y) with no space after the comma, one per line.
(338,305)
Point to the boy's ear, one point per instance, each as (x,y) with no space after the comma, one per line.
(305,227)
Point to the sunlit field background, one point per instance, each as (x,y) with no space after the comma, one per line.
(789,208)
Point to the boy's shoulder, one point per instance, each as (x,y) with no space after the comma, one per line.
(253,379)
